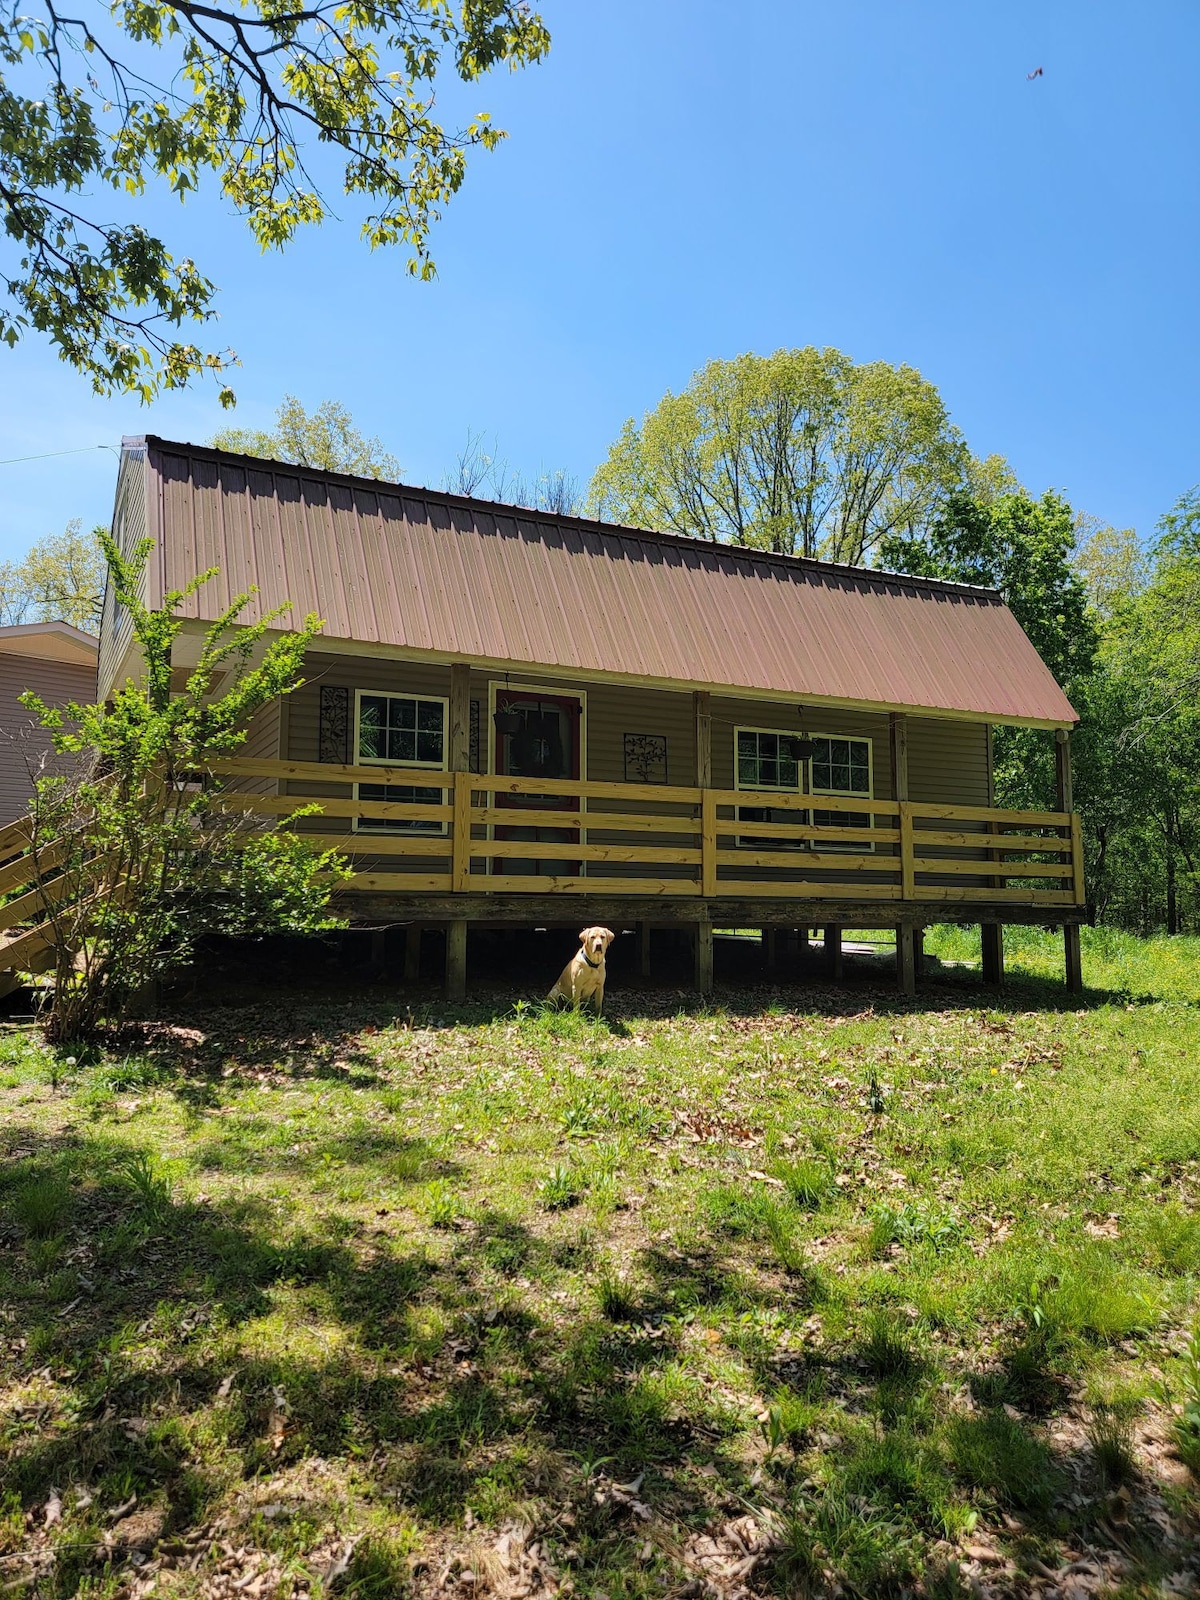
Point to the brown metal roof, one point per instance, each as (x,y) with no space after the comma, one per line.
(423,570)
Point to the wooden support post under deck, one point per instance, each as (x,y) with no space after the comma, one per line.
(769,945)
(918,951)
(456,959)
(906,962)
(992,937)
(412,953)
(643,933)
(833,952)
(704,956)
(1074,959)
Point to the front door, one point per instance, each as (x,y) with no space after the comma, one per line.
(537,735)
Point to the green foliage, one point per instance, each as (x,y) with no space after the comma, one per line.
(803,452)
(160,94)
(144,864)
(325,439)
(61,578)
(913,1222)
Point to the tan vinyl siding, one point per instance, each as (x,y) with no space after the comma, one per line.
(947,761)
(22,744)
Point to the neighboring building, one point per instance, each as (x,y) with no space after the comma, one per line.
(514,716)
(57,661)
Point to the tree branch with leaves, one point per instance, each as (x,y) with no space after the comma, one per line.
(176,93)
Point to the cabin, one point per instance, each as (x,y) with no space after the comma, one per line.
(58,662)
(513,717)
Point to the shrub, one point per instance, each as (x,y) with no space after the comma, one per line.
(142,864)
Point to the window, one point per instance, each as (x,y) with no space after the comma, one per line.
(841,766)
(407,730)
(765,761)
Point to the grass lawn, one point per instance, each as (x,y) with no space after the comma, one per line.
(808,1291)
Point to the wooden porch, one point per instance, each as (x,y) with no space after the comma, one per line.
(495,850)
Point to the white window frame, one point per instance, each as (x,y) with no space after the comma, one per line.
(382,825)
(758,841)
(860,819)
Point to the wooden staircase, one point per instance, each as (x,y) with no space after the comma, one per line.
(26,938)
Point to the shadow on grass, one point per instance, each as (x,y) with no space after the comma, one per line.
(169,1350)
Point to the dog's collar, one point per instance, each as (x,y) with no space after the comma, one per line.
(593,964)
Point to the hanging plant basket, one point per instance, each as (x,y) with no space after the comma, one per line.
(507,721)
(800,750)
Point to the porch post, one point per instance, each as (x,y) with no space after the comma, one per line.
(898,748)
(1062,769)
(704,956)
(906,959)
(1073,957)
(702,708)
(456,959)
(460,717)
(992,938)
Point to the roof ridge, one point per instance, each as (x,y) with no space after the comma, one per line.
(876,575)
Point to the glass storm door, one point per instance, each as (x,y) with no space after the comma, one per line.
(538,737)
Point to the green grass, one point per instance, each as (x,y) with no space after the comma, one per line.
(424,1288)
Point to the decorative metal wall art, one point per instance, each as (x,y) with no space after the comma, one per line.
(334,727)
(645,758)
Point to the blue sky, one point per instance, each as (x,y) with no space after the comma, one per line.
(686,179)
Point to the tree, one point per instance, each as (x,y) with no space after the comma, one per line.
(1024,548)
(325,439)
(60,579)
(176,93)
(136,858)
(476,471)
(802,452)
(1021,546)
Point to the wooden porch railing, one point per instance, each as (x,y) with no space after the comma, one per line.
(669,840)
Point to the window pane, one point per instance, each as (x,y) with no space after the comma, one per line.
(429,716)
(400,795)
(402,745)
(429,746)
(748,772)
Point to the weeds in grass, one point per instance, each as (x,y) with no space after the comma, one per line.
(615,1295)
(913,1222)
(1185,1427)
(149,1187)
(888,1348)
(1110,1434)
(41,1205)
(869,1548)
(999,1456)
(443,1206)
(562,1187)
(809,1182)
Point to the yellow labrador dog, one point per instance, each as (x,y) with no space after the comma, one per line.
(583,976)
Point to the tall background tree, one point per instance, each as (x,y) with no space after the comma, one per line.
(804,452)
(249,97)
(61,578)
(325,439)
